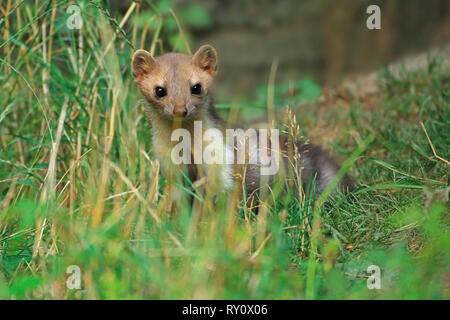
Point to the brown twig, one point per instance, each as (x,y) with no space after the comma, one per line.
(435,155)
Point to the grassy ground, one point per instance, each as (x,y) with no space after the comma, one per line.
(78,185)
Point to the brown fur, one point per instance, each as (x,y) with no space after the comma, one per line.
(177,73)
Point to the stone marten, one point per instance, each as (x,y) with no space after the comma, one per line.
(178,90)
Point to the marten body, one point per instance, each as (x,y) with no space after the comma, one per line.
(178,90)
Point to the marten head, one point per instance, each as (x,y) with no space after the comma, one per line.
(176,85)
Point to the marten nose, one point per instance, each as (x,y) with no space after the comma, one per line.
(179,111)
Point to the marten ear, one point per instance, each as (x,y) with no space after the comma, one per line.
(142,64)
(206,58)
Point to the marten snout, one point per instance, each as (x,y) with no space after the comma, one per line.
(179,111)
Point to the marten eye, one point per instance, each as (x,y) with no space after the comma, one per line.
(196,89)
(160,92)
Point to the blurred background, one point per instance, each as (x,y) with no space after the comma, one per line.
(325,39)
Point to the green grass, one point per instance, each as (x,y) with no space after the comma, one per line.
(78,185)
